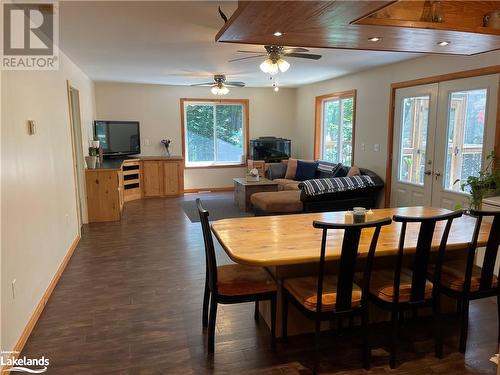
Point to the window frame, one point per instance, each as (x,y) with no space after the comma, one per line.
(246,119)
(318,124)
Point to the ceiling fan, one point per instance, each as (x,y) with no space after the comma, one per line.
(219,86)
(275,62)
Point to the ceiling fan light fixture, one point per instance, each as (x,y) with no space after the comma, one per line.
(283,65)
(266,65)
(219,90)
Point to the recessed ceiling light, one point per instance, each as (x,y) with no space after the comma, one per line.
(443,43)
(278,33)
(375,39)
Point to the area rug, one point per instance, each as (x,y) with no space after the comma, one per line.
(217,208)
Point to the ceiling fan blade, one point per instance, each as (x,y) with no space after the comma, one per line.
(304,56)
(294,49)
(235,83)
(250,51)
(207,84)
(245,58)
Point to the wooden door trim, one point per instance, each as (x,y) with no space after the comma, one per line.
(495,69)
(79,208)
(318,115)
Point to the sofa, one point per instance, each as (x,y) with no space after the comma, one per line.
(292,198)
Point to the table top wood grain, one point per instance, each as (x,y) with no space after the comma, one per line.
(291,239)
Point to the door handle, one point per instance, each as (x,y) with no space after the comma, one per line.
(428,172)
(437,174)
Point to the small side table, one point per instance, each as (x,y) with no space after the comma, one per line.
(243,190)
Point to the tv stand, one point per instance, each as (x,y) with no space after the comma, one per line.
(117,181)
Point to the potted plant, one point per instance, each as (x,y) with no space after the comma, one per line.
(487,184)
(253,175)
(166,143)
(91,160)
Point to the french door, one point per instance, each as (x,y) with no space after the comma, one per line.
(443,133)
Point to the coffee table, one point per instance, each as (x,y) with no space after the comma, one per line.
(244,189)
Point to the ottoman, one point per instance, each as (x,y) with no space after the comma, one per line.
(279,202)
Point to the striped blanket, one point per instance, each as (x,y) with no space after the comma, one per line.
(320,186)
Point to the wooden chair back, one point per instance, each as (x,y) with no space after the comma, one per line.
(420,262)
(348,260)
(491,252)
(210,259)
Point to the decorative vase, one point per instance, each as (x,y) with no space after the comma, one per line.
(91,161)
(167,150)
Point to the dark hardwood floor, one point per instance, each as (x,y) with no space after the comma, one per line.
(130,300)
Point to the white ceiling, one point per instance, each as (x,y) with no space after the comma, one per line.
(173,42)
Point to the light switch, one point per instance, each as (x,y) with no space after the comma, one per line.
(31,127)
(363,147)
(376,147)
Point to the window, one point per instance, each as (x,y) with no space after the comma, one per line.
(215,132)
(334,133)
(466,119)
(414,123)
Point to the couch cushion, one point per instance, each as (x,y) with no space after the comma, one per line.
(304,290)
(277,201)
(327,169)
(292,186)
(237,280)
(282,182)
(291,169)
(354,171)
(306,170)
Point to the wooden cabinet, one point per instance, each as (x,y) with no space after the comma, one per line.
(104,194)
(162,177)
(131,171)
(151,177)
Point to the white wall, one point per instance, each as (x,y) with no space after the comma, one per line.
(157,107)
(38,189)
(372,107)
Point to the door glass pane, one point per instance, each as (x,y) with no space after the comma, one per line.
(415,120)
(229,129)
(347,117)
(200,132)
(331,124)
(466,119)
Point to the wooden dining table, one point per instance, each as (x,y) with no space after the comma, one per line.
(289,246)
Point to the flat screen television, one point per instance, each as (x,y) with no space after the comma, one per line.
(118,138)
(270,149)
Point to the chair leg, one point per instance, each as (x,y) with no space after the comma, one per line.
(317,345)
(273,322)
(206,300)
(366,338)
(394,338)
(211,325)
(284,316)
(256,312)
(464,325)
(438,332)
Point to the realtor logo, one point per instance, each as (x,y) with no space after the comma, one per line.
(30,36)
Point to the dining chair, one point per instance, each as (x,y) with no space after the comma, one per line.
(465,281)
(401,288)
(232,283)
(340,297)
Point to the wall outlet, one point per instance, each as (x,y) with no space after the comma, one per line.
(147,142)
(14,289)
(31,127)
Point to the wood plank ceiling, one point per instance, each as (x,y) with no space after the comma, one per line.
(403,26)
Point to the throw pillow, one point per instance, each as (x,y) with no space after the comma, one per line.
(306,170)
(354,171)
(291,169)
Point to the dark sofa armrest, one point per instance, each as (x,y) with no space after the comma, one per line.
(276,170)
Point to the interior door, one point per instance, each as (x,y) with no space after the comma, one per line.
(413,153)
(465,136)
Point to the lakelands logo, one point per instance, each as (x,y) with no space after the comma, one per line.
(30,35)
(10,362)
